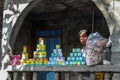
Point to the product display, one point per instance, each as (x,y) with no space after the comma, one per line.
(75,58)
(40,49)
(56,58)
(39,56)
(94,48)
(24,53)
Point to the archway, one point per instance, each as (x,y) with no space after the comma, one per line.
(26,11)
(76,17)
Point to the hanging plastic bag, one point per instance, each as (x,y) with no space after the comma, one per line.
(94,48)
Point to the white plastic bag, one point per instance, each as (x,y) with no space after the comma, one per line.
(94,48)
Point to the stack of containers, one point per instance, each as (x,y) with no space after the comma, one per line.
(76,58)
(24,56)
(56,58)
(24,53)
(40,54)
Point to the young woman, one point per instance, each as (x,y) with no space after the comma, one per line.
(83,36)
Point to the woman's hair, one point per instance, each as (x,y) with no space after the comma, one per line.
(87,32)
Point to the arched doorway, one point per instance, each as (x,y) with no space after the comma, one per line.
(70,16)
(61,10)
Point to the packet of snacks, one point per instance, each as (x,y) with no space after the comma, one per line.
(15,59)
(94,48)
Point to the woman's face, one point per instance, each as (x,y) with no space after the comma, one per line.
(83,38)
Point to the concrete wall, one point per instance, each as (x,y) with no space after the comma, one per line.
(1,15)
(23,38)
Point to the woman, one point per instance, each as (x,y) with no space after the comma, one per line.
(83,36)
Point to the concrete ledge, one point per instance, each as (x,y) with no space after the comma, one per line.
(97,68)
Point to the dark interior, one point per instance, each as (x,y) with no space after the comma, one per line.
(69,17)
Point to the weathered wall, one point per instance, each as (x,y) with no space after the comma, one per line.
(12,10)
(111,12)
(23,38)
(1,15)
